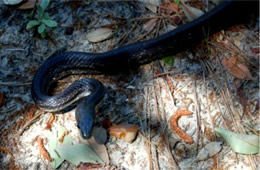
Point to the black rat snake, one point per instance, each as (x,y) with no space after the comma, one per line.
(121,59)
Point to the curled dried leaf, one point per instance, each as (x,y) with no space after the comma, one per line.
(42,149)
(127,132)
(174,124)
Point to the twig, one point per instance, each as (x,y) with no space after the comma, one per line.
(175,71)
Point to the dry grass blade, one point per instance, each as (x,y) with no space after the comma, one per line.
(156,107)
(148,132)
(197,111)
(206,94)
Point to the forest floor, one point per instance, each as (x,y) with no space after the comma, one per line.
(202,81)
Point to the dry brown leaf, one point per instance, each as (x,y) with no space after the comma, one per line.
(99,34)
(171,8)
(209,150)
(191,12)
(151,4)
(29,4)
(149,25)
(42,149)
(2,99)
(242,97)
(50,122)
(127,132)
(237,69)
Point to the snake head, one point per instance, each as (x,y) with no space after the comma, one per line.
(85,116)
(86,128)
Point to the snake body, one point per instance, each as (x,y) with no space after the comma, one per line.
(121,59)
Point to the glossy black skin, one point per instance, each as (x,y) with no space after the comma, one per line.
(121,59)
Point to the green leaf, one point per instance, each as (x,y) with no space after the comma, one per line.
(53,143)
(169,60)
(177,2)
(32,24)
(46,16)
(41,28)
(240,143)
(40,12)
(44,4)
(43,34)
(78,153)
(50,23)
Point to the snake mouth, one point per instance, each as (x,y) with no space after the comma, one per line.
(85,135)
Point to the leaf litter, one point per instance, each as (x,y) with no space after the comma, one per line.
(116,107)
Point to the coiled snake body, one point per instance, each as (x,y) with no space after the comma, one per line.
(119,60)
